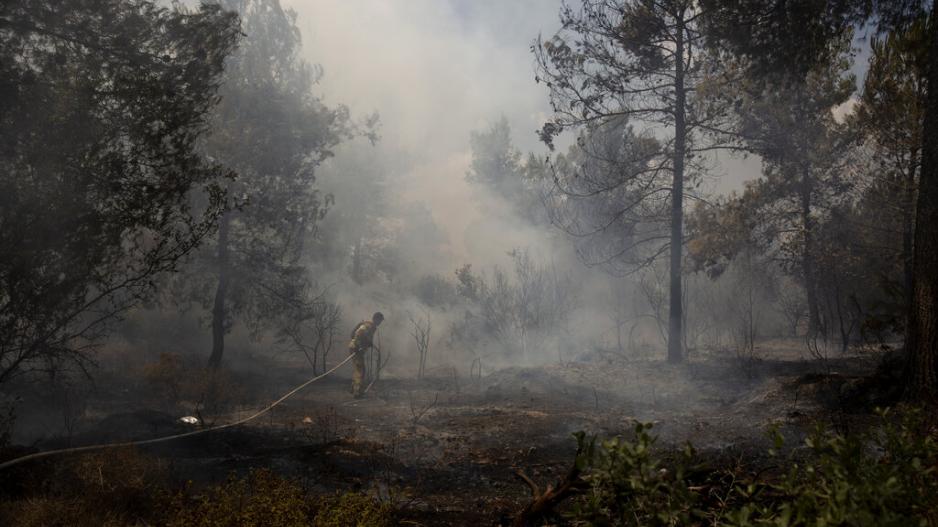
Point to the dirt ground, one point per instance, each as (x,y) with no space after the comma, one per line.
(445,448)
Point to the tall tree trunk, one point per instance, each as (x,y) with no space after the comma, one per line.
(807,254)
(221,292)
(922,338)
(908,230)
(675,314)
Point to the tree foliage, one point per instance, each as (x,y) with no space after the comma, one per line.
(272,131)
(495,163)
(889,119)
(791,126)
(611,198)
(763,32)
(102,106)
(643,63)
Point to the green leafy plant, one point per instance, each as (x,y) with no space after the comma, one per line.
(882,477)
(885,476)
(630,485)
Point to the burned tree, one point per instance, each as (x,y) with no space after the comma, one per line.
(420,330)
(617,64)
(311,328)
(922,333)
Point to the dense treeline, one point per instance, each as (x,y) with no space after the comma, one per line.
(654,88)
(180,148)
(105,186)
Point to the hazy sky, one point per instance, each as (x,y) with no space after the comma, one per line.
(434,69)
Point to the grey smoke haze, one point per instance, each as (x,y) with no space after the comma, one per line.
(436,70)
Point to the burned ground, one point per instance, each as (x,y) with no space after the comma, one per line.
(445,449)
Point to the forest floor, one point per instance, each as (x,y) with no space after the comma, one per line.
(444,449)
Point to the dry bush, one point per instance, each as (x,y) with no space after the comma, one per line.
(435,291)
(313,331)
(115,487)
(214,392)
(207,392)
(328,426)
(259,500)
(123,487)
(421,327)
(418,409)
(516,311)
(264,499)
(353,509)
(165,377)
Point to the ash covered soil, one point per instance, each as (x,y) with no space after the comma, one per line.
(445,448)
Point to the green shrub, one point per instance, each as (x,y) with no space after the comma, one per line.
(630,485)
(883,477)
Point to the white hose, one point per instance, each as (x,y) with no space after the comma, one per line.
(47,453)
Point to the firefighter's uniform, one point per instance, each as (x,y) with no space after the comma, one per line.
(362,340)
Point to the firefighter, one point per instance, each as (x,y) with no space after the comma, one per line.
(362,339)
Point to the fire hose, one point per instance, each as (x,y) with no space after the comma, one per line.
(48,453)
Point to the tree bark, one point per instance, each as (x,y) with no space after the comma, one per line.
(922,338)
(221,292)
(675,314)
(807,254)
(908,230)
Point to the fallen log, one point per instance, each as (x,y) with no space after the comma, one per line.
(543,503)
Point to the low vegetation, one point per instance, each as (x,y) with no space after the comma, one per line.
(128,488)
(882,476)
